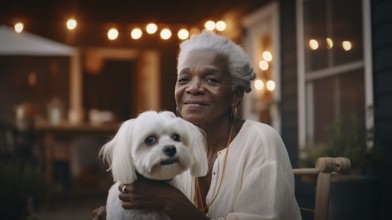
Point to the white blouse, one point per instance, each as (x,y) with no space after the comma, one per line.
(258,182)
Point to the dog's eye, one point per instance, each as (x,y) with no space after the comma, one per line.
(150,140)
(175,137)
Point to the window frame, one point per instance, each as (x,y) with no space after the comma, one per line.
(263,21)
(365,63)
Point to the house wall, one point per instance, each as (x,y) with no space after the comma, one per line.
(382,79)
(34,80)
(288,105)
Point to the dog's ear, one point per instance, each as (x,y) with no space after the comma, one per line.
(198,145)
(118,153)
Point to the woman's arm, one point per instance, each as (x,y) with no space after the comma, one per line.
(157,196)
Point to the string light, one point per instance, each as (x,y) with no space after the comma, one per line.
(221,26)
(263,65)
(183,34)
(165,34)
(267,56)
(347,45)
(313,44)
(209,25)
(136,33)
(71,24)
(151,28)
(329,42)
(259,84)
(270,85)
(18,27)
(112,34)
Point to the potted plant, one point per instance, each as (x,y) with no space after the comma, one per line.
(347,138)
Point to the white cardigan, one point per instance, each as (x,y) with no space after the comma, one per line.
(258,182)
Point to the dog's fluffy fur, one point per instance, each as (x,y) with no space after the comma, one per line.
(156,145)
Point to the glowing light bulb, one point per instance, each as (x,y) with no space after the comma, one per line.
(183,34)
(347,45)
(166,34)
(263,65)
(112,34)
(313,44)
(71,24)
(259,84)
(329,43)
(271,85)
(209,25)
(18,27)
(136,33)
(221,25)
(267,56)
(151,28)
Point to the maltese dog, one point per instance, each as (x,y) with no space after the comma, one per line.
(157,146)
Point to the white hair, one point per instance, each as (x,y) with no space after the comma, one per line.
(237,61)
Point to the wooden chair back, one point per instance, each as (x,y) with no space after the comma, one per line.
(324,169)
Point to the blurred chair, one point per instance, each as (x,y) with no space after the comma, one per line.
(84,161)
(323,171)
(7,140)
(16,144)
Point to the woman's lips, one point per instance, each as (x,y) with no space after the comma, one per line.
(194,105)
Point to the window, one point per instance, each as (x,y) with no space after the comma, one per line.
(333,66)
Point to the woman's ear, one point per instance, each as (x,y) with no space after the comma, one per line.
(237,98)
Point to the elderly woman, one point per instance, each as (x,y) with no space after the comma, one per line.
(250,175)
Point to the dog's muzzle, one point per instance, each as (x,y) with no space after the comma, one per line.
(170,150)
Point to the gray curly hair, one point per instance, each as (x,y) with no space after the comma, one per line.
(238,63)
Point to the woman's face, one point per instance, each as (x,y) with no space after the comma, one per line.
(203,89)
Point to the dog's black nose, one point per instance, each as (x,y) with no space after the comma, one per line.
(170,150)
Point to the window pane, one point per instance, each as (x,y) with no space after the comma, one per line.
(325,107)
(347,27)
(352,95)
(328,25)
(315,30)
(337,96)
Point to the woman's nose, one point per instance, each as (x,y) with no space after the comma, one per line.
(194,86)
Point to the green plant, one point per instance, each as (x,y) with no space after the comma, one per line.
(347,138)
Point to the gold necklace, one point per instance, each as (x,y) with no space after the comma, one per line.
(197,198)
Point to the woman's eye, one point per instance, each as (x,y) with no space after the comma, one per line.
(213,81)
(150,140)
(175,137)
(182,80)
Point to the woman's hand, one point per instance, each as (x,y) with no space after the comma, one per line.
(145,194)
(158,196)
(149,195)
(99,213)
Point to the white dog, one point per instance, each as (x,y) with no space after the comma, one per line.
(157,146)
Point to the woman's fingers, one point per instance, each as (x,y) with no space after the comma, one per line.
(142,194)
(99,213)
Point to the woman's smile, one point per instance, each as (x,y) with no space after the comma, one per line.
(194,106)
